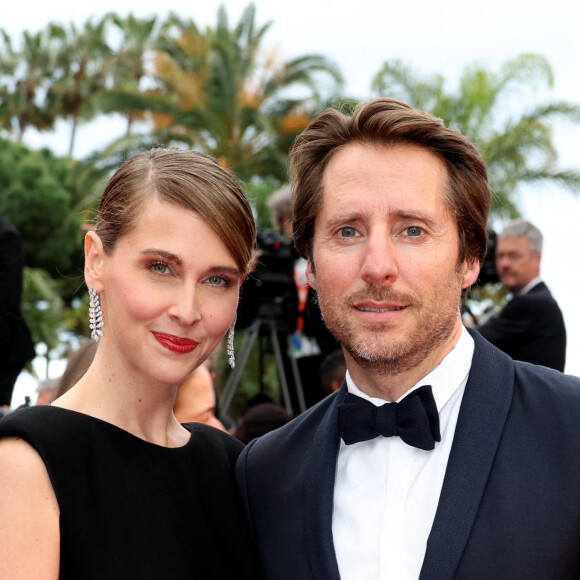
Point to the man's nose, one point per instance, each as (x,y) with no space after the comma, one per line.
(380,260)
(503,262)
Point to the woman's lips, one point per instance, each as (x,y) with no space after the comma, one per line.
(175,343)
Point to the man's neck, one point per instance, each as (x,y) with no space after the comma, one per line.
(531,284)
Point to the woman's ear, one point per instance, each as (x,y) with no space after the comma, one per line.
(94,254)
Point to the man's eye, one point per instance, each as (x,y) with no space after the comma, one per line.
(347,232)
(217,280)
(414,231)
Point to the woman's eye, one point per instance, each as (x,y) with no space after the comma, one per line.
(347,232)
(414,231)
(160,268)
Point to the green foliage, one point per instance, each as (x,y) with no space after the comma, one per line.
(220,92)
(37,200)
(42,307)
(258,193)
(499,113)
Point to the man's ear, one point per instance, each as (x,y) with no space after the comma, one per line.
(470,272)
(94,254)
(311,276)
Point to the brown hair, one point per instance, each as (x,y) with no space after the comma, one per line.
(192,180)
(385,122)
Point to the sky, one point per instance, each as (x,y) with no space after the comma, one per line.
(431,37)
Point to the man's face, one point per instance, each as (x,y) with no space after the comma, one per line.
(516,264)
(385,254)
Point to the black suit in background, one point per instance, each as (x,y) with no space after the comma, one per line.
(16,347)
(509,507)
(530,328)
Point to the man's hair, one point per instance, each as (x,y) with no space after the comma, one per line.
(519,228)
(280,206)
(384,122)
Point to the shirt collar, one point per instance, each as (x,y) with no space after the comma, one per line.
(444,379)
(530,285)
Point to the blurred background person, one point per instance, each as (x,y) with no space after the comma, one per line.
(260,417)
(16,346)
(77,364)
(530,327)
(332,371)
(105,482)
(195,401)
(46,391)
(278,290)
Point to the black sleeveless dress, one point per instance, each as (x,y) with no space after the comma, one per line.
(130,509)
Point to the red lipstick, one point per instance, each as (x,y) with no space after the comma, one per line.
(175,343)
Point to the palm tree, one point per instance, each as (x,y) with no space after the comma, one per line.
(216,90)
(26,74)
(248,102)
(516,142)
(129,60)
(82,68)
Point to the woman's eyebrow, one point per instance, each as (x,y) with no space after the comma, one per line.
(169,256)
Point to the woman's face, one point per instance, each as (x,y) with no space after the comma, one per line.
(169,292)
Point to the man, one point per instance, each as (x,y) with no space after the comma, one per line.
(16,346)
(280,279)
(332,371)
(476,472)
(530,327)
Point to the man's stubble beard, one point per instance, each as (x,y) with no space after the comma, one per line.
(373,350)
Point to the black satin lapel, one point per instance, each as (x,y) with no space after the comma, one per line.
(320,474)
(483,413)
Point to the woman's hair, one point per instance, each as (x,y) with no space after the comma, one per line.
(384,122)
(189,179)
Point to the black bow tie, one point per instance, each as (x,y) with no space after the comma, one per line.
(414,419)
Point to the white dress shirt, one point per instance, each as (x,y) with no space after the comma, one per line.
(386,492)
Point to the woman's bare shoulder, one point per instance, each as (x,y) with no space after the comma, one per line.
(29,514)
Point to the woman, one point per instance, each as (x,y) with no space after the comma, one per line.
(106,483)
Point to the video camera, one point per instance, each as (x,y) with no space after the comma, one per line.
(269,291)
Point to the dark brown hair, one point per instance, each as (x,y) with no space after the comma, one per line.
(189,179)
(386,122)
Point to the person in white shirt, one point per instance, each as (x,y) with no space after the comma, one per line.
(530,327)
(438,456)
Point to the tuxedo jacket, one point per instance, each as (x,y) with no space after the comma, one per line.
(530,328)
(510,502)
(16,346)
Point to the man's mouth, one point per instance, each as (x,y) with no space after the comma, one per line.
(370,309)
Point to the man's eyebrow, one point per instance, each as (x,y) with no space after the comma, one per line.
(169,256)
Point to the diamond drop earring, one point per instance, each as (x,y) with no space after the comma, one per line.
(231,355)
(95,315)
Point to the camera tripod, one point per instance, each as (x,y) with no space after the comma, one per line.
(256,329)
